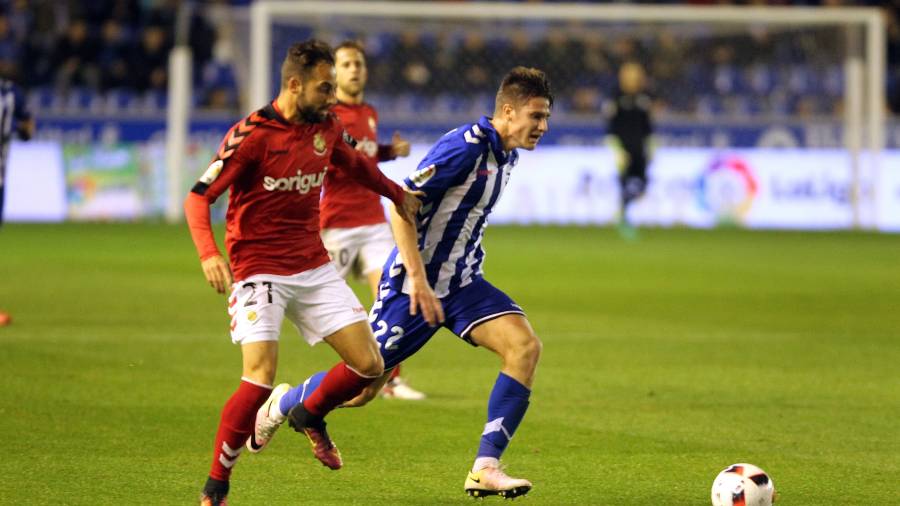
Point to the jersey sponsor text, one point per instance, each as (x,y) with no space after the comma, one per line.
(301,183)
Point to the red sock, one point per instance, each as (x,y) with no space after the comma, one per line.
(339,385)
(395,372)
(238,418)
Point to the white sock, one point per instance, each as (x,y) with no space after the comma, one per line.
(482,462)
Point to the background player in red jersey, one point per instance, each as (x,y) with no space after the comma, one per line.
(274,163)
(354,229)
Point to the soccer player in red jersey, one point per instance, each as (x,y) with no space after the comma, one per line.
(354,229)
(274,163)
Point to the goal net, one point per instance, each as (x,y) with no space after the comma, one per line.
(722,78)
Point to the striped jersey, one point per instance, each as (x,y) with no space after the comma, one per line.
(462,176)
(12,109)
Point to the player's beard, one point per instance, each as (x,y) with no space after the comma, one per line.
(312,114)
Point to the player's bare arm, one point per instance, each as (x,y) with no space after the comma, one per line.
(421,296)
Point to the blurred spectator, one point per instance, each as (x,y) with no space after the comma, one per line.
(113,56)
(473,63)
(892,16)
(669,65)
(19,16)
(9,50)
(218,98)
(594,61)
(201,39)
(555,52)
(97,12)
(520,51)
(75,58)
(586,99)
(150,60)
(39,45)
(410,63)
(443,67)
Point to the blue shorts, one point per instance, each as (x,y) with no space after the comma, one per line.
(400,334)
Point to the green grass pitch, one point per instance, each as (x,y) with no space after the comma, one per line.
(665,360)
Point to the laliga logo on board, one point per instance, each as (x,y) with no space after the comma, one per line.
(727,188)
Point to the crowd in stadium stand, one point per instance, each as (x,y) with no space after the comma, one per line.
(89,49)
(115,52)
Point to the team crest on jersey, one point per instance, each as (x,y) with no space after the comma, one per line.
(319,145)
(422,175)
(212,172)
(372,124)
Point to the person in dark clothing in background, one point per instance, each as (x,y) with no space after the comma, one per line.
(630,136)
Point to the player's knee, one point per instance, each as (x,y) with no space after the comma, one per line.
(371,366)
(532,348)
(525,350)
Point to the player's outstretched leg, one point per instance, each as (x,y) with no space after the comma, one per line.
(274,412)
(340,384)
(506,408)
(235,427)
(362,364)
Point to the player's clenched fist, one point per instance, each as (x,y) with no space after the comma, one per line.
(217,273)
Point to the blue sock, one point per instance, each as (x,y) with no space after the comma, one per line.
(506,408)
(296,395)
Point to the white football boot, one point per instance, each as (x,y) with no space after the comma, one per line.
(398,388)
(493,481)
(268,419)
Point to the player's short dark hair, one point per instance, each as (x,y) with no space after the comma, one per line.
(351,44)
(304,56)
(522,84)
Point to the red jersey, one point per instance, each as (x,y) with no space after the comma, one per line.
(275,170)
(345,202)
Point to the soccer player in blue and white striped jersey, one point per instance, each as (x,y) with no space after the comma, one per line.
(434,276)
(13,116)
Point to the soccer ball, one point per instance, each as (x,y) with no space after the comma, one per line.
(743,485)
